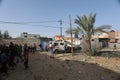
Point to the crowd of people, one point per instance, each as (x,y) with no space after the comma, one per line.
(13,54)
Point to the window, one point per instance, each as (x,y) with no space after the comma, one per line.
(61,43)
(25,36)
(56,44)
(92,40)
(35,36)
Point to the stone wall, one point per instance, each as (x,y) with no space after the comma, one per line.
(22,41)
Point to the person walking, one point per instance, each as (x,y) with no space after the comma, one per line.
(25,55)
(12,55)
(51,49)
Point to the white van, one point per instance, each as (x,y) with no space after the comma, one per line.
(61,46)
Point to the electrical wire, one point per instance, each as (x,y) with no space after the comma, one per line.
(30,23)
(38,23)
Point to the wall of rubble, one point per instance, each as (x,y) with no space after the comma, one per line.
(22,41)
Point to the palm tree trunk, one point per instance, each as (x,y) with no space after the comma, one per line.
(88,47)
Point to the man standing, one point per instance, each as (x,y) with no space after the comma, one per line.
(25,55)
(51,49)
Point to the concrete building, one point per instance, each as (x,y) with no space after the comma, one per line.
(58,37)
(22,41)
(107,40)
(26,35)
(30,39)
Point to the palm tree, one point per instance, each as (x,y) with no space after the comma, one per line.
(74,31)
(85,24)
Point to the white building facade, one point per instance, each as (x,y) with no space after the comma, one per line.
(26,35)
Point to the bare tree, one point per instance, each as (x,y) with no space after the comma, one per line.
(6,35)
(0,34)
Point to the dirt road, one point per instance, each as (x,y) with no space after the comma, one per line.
(65,67)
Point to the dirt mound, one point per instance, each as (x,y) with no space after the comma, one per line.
(65,67)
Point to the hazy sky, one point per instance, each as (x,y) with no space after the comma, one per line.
(46,15)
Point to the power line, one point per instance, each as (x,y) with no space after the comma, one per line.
(45,26)
(6,22)
(68,23)
(42,22)
(28,23)
(12,22)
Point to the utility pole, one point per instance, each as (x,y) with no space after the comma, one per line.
(71,35)
(61,28)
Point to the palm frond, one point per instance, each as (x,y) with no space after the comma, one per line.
(74,30)
(104,27)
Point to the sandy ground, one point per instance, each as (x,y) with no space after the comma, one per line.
(66,67)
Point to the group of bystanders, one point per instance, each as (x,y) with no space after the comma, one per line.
(12,54)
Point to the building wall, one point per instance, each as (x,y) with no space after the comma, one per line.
(57,37)
(111,45)
(30,42)
(26,35)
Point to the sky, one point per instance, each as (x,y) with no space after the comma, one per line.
(43,16)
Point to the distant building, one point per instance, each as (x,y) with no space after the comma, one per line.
(26,35)
(111,37)
(58,37)
(105,40)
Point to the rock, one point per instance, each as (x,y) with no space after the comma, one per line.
(67,61)
(100,64)
(102,78)
(79,72)
(117,69)
(93,62)
(84,60)
(88,57)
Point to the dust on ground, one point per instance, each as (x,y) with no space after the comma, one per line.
(66,67)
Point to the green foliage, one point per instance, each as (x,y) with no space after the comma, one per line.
(108,54)
(75,31)
(85,25)
(6,35)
